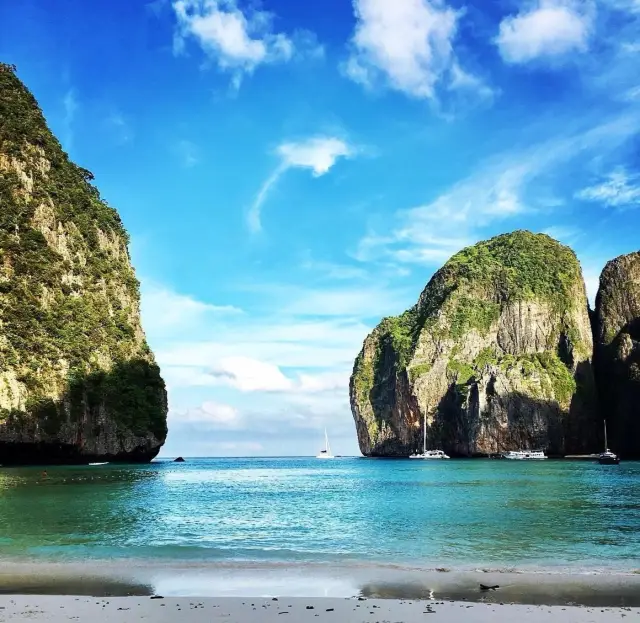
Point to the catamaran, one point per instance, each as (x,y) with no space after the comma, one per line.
(525,455)
(427,454)
(607,457)
(325,453)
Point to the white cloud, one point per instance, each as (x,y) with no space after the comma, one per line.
(209,412)
(619,189)
(431,233)
(250,375)
(318,153)
(407,44)
(188,153)
(164,310)
(237,40)
(546,29)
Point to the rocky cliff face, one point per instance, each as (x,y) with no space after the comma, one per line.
(78,382)
(496,355)
(617,352)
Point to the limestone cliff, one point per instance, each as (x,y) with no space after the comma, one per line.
(496,354)
(78,382)
(617,352)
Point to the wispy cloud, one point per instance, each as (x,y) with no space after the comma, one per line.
(498,190)
(70,105)
(237,40)
(619,189)
(547,29)
(120,128)
(408,45)
(318,154)
(189,153)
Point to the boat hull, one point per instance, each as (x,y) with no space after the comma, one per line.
(609,460)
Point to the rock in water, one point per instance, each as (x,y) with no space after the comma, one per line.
(78,382)
(496,354)
(617,352)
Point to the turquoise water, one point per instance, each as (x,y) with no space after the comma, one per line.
(497,514)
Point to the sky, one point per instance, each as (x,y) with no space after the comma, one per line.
(291,172)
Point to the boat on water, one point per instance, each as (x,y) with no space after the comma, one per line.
(427,454)
(325,453)
(525,455)
(105,463)
(607,457)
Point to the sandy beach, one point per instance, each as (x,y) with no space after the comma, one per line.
(57,609)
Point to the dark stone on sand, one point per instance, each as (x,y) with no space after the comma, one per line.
(156,597)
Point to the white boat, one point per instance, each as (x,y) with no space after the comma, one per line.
(427,454)
(325,453)
(607,457)
(525,455)
(106,463)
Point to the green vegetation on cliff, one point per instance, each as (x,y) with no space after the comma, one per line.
(508,315)
(70,332)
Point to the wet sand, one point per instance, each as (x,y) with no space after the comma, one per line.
(59,609)
(135,578)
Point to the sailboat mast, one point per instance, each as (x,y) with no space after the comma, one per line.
(424,434)
(326,442)
(606,445)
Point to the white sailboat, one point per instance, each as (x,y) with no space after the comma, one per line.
(607,457)
(427,454)
(325,453)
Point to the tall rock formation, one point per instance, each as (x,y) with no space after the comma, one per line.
(496,355)
(617,352)
(78,382)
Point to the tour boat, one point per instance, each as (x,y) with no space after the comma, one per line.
(607,457)
(428,454)
(524,455)
(325,453)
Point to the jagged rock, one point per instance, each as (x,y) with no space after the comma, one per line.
(617,352)
(78,382)
(178,460)
(496,354)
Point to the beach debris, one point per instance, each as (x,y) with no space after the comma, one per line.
(484,587)
(284,612)
(443,570)
(310,608)
(330,609)
(156,597)
(274,599)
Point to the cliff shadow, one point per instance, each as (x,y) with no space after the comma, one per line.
(618,385)
(117,415)
(511,421)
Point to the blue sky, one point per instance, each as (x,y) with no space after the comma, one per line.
(290,172)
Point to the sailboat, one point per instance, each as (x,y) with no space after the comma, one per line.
(607,457)
(427,454)
(325,453)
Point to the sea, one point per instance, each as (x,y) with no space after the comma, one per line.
(456,514)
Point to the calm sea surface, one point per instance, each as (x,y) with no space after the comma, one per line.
(498,514)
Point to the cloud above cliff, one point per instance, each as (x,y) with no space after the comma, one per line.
(546,29)
(318,154)
(408,46)
(237,40)
(499,191)
(619,189)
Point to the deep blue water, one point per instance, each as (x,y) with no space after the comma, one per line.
(496,514)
